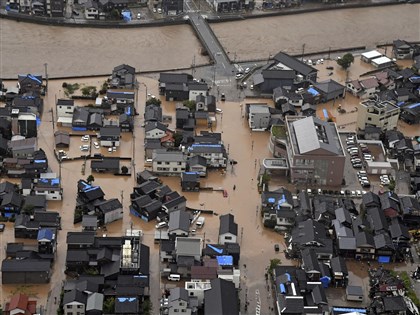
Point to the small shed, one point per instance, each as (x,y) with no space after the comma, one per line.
(370,55)
(62,139)
(354,293)
(382,62)
(90,223)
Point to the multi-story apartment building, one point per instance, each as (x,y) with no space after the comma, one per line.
(169,163)
(315,152)
(377,113)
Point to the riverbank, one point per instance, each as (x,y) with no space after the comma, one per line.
(211,16)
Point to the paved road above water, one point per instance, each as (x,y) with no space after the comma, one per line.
(85,51)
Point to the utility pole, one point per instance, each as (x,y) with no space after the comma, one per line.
(329,52)
(193,67)
(46,76)
(303,51)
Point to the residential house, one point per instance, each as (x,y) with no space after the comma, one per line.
(124,77)
(11,204)
(24,123)
(153,113)
(402,49)
(273,76)
(26,271)
(365,246)
(64,110)
(411,114)
(91,10)
(146,208)
(109,136)
(383,114)
(109,210)
(106,165)
(315,152)
(174,202)
(122,98)
(35,203)
(187,252)
(221,299)
(62,139)
(179,223)
(382,62)
(329,90)
(95,121)
(50,187)
(90,223)
(28,226)
(363,88)
(258,117)
(172,7)
(310,264)
(339,271)
(150,146)
(55,8)
(215,154)
(80,118)
(286,61)
(28,103)
(370,55)
(206,103)
(74,302)
(190,181)
(197,164)
(228,229)
(126,122)
(277,209)
(182,115)
(197,88)
(179,302)
(308,109)
(169,162)
(20,304)
(29,83)
(174,86)
(155,130)
(23,148)
(384,246)
(399,234)
(390,204)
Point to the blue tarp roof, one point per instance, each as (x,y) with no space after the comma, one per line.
(126,16)
(225,260)
(325,113)
(384,259)
(217,250)
(45,234)
(38,121)
(30,76)
(349,310)
(400,103)
(128,111)
(413,105)
(282,288)
(126,299)
(40,161)
(325,281)
(313,91)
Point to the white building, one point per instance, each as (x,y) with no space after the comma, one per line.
(370,55)
(65,109)
(168,163)
(376,113)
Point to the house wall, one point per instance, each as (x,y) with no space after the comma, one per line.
(65,111)
(91,13)
(321,170)
(194,93)
(202,170)
(197,290)
(386,120)
(259,121)
(169,168)
(155,134)
(23,152)
(50,194)
(227,238)
(108,143)
(214,159)
(179,307)
(74,308)
(114,215)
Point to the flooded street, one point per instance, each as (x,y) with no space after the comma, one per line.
(319,31)
(90,51)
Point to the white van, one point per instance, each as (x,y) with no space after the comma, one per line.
(174,277)
(161,225)
(200,222)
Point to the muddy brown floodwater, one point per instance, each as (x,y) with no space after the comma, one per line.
(257,243)
(71,51)
(259,38)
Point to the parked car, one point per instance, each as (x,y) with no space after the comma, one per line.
(357,165)
(96,145)
(276,247)
(84,147)
(85,138)
(247,70)
(138,16)
(2,227)
(223,97)
(219,111)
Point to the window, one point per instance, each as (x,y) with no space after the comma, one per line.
(175,169)
(176,310)
(159,163)
(69,306)
(369,118)
(68,107)
(228,237)
(179,163)
(79,306)
(184,310)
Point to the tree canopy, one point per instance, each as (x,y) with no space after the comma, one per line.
(345,61)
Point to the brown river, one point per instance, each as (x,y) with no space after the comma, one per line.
(87,51)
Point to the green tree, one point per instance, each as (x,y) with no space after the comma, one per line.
(89,90)
(178,138)
(273,264)
(115,14)
(109,305)
(392,184)
(345,61)
(90,179)
(146,307)
(28,209)
(153,101)
(124,169)
(190,105)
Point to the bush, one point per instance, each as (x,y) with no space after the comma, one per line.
(64,85)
